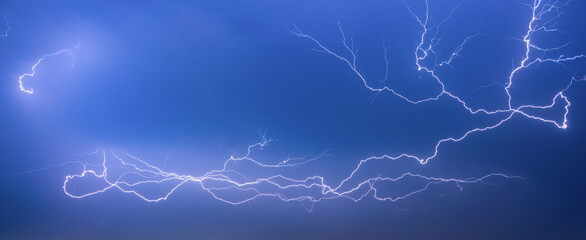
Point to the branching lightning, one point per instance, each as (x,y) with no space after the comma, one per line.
(543,16)
(39,61)
(131,174)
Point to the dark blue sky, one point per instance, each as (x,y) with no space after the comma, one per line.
(185,85)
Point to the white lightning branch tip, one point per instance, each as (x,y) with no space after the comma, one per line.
(38,62)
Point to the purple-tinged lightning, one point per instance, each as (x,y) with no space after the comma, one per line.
(39,61)
(229,184)
(543,16)
(130,174)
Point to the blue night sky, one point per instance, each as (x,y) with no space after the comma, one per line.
(187,85)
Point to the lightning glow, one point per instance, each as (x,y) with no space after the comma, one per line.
(39,61)
(8,29)
(129,174)
(543,16)
(132,175)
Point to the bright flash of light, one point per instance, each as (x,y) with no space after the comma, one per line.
(132,175)
(32,73)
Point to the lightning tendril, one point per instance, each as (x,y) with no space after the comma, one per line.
(132,175)
(39,61)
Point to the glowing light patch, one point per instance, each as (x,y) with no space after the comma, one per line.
(130,174)
(39,61)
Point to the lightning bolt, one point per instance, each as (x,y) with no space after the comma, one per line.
(131,174)
(109,169)
(543,18)
(39,61)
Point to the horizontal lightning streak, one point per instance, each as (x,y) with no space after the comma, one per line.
(150,174)
(215,182)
